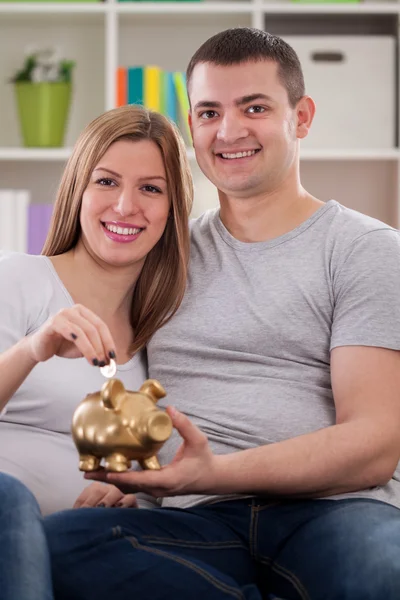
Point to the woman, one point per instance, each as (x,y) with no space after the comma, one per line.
(113,270)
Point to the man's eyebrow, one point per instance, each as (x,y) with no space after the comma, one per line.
(252,98)
(207,104)
(239,102)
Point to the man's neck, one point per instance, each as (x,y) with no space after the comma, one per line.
(104,290)
(267,216)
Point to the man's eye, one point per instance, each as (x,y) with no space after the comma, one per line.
(256,109)
(105,181)
(207,114)
(152,189)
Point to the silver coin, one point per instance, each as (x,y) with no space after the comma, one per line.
(109,370)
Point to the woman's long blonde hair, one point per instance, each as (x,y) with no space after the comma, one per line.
(161,284)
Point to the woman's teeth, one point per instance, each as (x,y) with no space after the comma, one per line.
(122,230)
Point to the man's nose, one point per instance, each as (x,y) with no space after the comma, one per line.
(231,129)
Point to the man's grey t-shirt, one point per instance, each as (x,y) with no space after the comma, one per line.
(247,356)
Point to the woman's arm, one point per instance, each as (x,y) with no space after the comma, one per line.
(15,366)
(72,333)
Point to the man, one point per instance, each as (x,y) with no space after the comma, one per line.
(283,362)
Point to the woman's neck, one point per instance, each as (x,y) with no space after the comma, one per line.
(107,291)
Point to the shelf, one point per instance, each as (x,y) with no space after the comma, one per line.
(184,8)
(34,154)
(351,154)
(24,8)
(62,154)
(15,8)
(372,8)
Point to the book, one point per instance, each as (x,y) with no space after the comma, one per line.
(135,85)
(39,216)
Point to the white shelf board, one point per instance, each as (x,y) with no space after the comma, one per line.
(211,7)
(34,154)
(350,154)
(22,8)
(62,154)
(184,8)
(368,8)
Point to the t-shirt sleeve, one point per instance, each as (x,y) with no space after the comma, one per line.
(14,313)
(367,292)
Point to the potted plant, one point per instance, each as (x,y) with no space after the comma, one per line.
(43,89)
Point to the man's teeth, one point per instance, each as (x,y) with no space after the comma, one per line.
(239,154)
(122,230)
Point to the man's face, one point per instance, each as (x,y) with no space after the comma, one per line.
(244,129)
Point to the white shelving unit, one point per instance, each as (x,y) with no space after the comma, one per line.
(103,36)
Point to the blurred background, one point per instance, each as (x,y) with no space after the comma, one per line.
(62,64)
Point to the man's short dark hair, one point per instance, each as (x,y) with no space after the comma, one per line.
(245,44)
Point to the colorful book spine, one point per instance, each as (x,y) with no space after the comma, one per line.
(135,85)
(39,216)
(183,103)
(170,96)
(122,93)
(152,88)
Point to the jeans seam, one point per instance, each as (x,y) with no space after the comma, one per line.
(176,542)
(286,574)
(251,532)
(266,506)
(224,587)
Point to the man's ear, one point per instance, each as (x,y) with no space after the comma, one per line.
(305,111)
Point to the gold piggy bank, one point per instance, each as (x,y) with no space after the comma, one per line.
(119,426)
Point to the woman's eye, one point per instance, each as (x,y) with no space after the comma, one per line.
(152,189)
(207,114)
(256,109)
(105,181)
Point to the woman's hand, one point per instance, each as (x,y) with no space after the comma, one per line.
(101,494)
(72,333)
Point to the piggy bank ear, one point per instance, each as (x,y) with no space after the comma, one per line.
(154,389)
(112,393)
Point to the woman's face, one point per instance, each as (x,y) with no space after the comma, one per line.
(125,205)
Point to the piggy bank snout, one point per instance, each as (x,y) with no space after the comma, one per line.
(156,426)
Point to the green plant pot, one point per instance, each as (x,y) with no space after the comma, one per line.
(43,112)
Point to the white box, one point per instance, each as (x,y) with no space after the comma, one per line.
(352,81)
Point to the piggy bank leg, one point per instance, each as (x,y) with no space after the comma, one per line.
(150,463)
(117,462)
(88,462)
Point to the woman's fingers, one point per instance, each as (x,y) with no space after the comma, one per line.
(112,497)
(102,329)
(105,495)
(91,495)
(128,501)
(88,332)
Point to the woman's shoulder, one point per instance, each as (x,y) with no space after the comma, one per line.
(25,281)
(21,264)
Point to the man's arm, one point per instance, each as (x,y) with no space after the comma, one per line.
(360,451)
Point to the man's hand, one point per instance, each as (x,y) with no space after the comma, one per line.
(99,494)
(192,470)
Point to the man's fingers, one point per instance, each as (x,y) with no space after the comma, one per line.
(189,432)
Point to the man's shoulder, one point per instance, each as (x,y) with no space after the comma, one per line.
(201,225)
(348,224)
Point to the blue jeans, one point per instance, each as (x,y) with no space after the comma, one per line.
(24,558)
(247,550)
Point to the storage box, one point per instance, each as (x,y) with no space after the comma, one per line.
(352,80)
